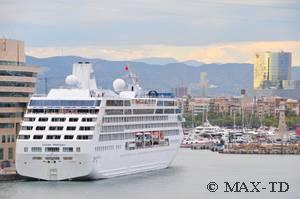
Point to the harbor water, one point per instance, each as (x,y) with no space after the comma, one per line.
(187,178)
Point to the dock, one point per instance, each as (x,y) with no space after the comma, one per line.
(250,148)
(9,174)
(256,148)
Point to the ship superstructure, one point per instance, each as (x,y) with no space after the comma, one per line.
(85,132)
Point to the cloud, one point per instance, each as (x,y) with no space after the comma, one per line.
(241,52)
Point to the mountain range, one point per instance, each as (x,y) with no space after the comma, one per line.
(223,79)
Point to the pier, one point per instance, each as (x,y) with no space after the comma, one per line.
(250,148)
(253,148)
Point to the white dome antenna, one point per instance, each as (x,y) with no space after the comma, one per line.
(119,85)
(71,80)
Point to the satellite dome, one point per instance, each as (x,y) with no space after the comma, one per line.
(119,85)
(71,80)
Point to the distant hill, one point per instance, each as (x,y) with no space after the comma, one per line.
(193,63)
(226,79)
(165,60)
(156,60)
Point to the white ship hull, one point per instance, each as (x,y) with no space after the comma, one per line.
(97,165)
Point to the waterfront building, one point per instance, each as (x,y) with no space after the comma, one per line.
(180,91)
(17,83)
(183,104)
(271,68)
(293,105)
(219,104)
(199,105)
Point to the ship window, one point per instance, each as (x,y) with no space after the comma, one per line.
(83,111)
(143,111)
(71,128)
(114,103)
(168,111)
(98,102)
(27,128)
(159,111)
(126,103)
(114,111)
(58,119)
(169,103)
(23,137)
(67,149)
(73,119)
(29,119)
(52,149)
(43,119)
(53,137)
(37,110)
(40,128)
(77,149)
(36,158)
(68,137)
(56,128)
(52,158)
(62,103)
(84,137)
(36,149)
(178,111)
(25,149)
(86,119)
(38,137)
(86,128)
(160,103)
(127,112)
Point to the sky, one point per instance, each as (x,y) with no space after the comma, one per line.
(209,31)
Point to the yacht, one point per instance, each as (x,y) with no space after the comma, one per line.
(82,132)
(207,128)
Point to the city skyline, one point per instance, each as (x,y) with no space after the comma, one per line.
(207,31)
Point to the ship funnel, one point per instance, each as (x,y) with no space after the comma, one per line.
(83,76)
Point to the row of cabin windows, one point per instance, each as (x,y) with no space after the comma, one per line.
(117,103)
(117,128)
(134,119)
(105,148)
(64,111)
(65,103)
(56,137)
(51,149)
(128,136)
(139,102)
(144,102)
(165,103)
(58,128)
(140,111)
(60,119)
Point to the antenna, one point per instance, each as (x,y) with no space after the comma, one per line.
(132,76)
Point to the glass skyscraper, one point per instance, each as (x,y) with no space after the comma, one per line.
(270,68)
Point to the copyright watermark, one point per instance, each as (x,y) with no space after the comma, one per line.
(251,186)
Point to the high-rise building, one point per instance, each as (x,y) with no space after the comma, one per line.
(180,91)
(203,83)
(17,83)
(271,68)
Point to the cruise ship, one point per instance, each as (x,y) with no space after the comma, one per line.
(82,132)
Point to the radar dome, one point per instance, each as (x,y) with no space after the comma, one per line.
(71,80)
(119,85)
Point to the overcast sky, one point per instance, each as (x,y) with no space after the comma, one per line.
(204,30)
